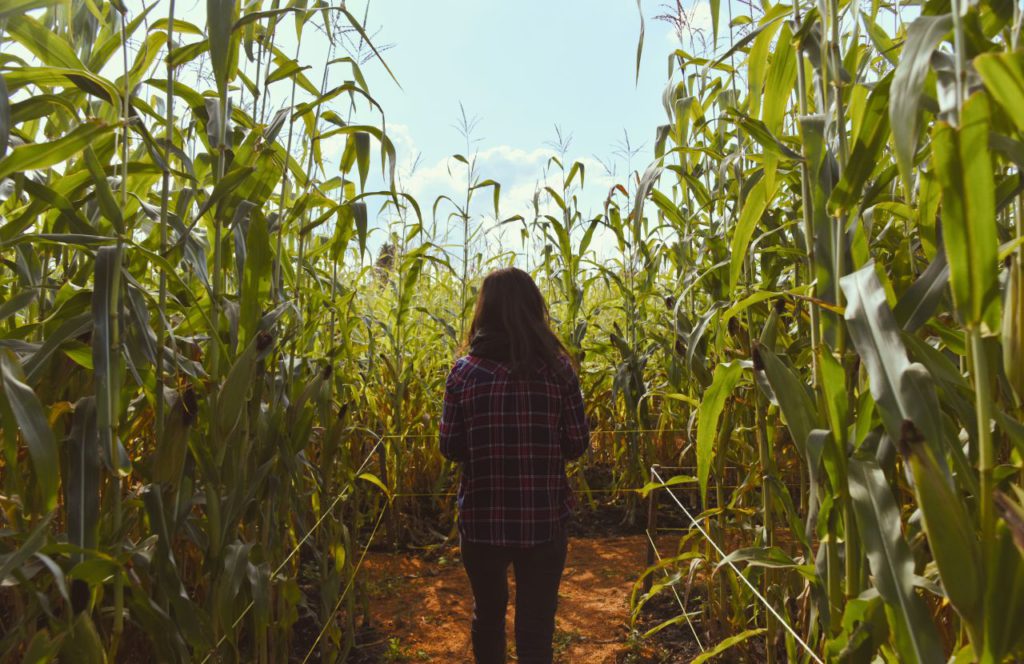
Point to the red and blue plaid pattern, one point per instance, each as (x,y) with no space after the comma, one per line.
(512,436)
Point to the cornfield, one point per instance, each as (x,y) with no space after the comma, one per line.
(213,393)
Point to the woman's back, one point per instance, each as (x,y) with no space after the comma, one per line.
(513,435)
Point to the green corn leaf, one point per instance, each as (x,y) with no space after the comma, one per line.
(576,168)
(753,209)
(675,480)
(923,36)
(1013,513)
(892,566)
(5,118)
(106,363)
(921,300)
(711,405)
(952,538)
(833,380)
(796,404)
(864,631)
(964,166)
(727,643)
(233,393)
(228,184)
(872,137)
(288,69)
(255,292)
(1003,74)
(781,79)
(236,559)
(82,483)
(220,16)
(376,481)
(639,41)
(1004,599)
(919,402)
(756,556)
(48,47)
(35,429)
(757,68)
(169,460)
(82,79)
(34,156)
(877,338)
(359,216)
(715,13)
(41,649)
(816,154)
(72,327)
(361,140)
(32,544)
(104,195)
(82,642)
(18,7)
(881,41)
(495,194)
(184,54)
(15,304)
(1013,328)
(69,213)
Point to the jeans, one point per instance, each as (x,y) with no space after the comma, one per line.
(538,571)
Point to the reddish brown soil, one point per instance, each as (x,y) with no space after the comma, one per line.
(421,608)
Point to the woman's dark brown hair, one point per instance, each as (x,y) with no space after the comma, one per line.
(511,324)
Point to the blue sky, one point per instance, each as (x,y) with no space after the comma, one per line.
(520,68)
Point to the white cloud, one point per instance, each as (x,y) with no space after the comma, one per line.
(697,29)
(521,172)
(700,16)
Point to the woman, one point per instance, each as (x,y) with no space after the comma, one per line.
(513,415)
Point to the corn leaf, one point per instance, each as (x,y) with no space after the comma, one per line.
(1003,75)
(35,429)
(727,643)
(923,36)
(892,566)
(106,301)
(711,405)
(35,156)
(951,534)
(964,167)
(82,485)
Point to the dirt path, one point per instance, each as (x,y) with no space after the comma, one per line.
(422,608)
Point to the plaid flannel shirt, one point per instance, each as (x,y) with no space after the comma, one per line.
(512,437)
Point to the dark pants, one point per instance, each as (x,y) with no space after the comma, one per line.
(538,571)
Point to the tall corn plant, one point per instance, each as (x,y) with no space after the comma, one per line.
(156,242)
(871,200)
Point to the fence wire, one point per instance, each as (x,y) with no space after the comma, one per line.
(341,494)
(682,605)
(725,559)
(381,438)
(348,586)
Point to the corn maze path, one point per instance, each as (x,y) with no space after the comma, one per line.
(421,609)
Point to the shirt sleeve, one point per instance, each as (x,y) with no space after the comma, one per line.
(453,426)
(575,428)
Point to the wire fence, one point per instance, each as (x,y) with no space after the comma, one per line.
(725,559)
(309,533)
(657,483)
(679,600)
(329,618)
